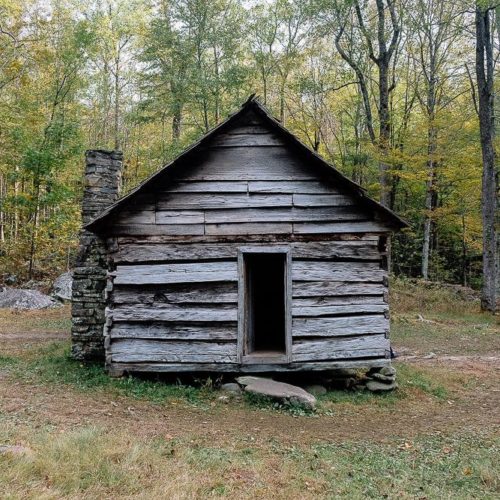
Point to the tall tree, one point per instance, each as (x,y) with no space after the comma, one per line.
(485,88)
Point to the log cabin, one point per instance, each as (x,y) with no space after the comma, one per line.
(247,253)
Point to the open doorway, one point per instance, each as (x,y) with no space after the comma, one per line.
(265,304)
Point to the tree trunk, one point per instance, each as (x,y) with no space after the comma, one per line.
(385,134)
(117,103)
(484,73)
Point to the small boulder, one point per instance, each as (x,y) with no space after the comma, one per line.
(18,298)
(388,370)
(383,378)
(61,289)
(377,386)
(280,391)
(231,387)
(248,379)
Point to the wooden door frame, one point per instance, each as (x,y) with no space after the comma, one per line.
(243,304)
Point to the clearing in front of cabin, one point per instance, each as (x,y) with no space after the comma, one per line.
(77,433)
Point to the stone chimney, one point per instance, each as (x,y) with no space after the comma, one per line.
(102,183)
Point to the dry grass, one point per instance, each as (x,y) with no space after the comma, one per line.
(93,462)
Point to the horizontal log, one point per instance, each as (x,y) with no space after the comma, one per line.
(249,129)
(322,300)
(248,228)
(340,227)
(174,331)
(202,201)
(173,312)
(250,368)
(337,271)
(176,273)
(322,200)
(341,326)
(136,217)
(337,310)
(362,250)
(226,293)
(293,187)
(245,239)
(334,289)
(180,217)
(283,215)
(358,347)
(221,187)
(156,230)
(135,350)
(247,140)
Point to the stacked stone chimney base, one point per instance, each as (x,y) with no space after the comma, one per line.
(102,181)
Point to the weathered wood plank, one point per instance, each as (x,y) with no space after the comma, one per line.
(139,217)
(337,271)
(322,200)
(172,351)
(174,331)
(193,293)
(337,310)
(357,347)
(332,327)
(340,227)
(252,368)
(130,252)
(333,288)
(283,215)
(202,201)
(239,164)
(249,129)
(180,217)
(244,239)
(248,228)
(174,312)
(207,187)
(156,230)
(339,301)
(293,187)
(176,273)
(246,140)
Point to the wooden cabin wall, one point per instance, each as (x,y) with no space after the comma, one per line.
(176,304)
(173,294)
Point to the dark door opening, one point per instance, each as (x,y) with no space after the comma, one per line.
(265,305)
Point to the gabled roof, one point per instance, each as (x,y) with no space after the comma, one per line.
(252,104)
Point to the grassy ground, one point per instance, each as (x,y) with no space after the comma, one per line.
(83,435)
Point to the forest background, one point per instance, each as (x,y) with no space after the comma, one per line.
(386,90)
